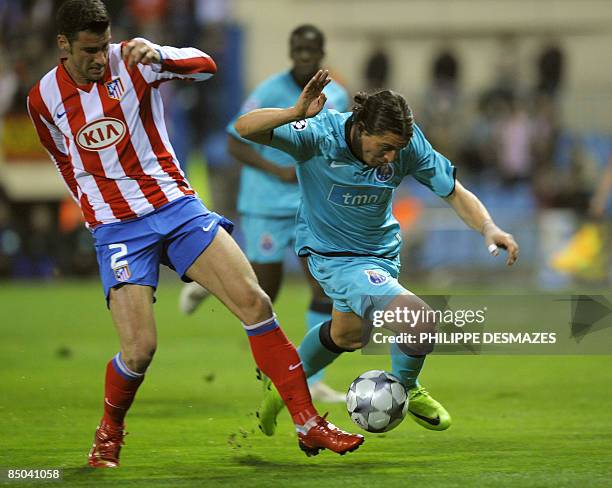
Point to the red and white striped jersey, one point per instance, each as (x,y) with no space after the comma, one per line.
(108,139)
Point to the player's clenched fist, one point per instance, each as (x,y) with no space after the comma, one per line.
(137,51)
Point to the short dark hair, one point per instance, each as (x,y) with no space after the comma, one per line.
(383,111)
(75,16)
(306,29)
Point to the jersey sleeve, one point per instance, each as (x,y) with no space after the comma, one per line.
(51,138)
(187,63)
(298,139)
(428,166)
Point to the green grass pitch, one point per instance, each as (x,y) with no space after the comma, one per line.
(518,421)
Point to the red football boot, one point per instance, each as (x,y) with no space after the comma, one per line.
(107,444)
(325,435)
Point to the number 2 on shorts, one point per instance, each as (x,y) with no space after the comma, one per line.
(122,251)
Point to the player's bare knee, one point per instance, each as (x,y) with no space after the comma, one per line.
(138,358)
(424,330)
(256,306)
(348,340)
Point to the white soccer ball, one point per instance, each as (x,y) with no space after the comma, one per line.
(377,401)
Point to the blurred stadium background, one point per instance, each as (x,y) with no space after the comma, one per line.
(517,94)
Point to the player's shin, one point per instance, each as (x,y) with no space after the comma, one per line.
(407,358)
(278,359)
(318,312)
(120,388)
(317,349)
(406,366)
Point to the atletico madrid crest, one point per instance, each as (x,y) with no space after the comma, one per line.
(122,273)
(115,88)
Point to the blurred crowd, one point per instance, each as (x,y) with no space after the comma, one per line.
(509,141)
(514,133)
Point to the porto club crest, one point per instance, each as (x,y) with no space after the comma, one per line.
(376,277)
(384,173)
(267,245)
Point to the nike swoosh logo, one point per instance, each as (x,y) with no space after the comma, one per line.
(59,116)
(209,226)
(294,366)
(114,406)
(337,165)
(429,420)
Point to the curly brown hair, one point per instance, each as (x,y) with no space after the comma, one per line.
(383,111)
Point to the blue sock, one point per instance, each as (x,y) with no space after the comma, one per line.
(317,313)
(313,353)
(405,367)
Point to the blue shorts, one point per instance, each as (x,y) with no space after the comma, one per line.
(267,238)
(173,235)
(351,282)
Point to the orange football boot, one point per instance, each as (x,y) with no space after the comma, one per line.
(107,444)
(325,435)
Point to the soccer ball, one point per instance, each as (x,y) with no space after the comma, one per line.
(377,401)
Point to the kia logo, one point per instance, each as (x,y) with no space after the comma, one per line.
(100,134)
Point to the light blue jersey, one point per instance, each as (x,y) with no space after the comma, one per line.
(262,194)
(346,205)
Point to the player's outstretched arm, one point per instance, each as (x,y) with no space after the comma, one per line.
(474,213)
(257,125)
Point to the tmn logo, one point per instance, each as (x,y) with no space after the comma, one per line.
(357,196)
(100,134)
